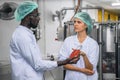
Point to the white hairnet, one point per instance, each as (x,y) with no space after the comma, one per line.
(24,9)
(86,19)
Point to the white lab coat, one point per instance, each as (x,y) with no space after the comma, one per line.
(25,56)
(90,47)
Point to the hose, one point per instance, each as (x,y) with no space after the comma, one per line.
(76,9)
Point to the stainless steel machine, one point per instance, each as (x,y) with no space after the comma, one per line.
(109,39)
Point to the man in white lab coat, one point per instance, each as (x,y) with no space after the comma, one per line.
(25,56)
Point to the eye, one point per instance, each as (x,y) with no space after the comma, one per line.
(74,21)
(35,15)
(77,22)
(38,14)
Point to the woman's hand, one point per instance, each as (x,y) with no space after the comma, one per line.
(82,53)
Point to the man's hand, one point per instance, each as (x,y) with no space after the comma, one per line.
(73,60)
(69,61)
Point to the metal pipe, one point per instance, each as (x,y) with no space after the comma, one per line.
(60,19)
(65,30)
(116,33)
(100,41)
(116,52)
(107,22)
(103,15)
(80,8)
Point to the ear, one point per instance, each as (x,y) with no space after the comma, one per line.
(26,20)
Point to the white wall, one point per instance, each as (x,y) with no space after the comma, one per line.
(6,29)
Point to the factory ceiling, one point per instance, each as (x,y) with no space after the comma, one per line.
(107,4)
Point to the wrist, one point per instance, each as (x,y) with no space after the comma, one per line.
(60,63)
(83,54)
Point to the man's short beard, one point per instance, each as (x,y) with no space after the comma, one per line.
(32,25)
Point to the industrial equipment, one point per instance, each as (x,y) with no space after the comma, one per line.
(7,10)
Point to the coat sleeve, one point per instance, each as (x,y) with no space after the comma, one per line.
(94,55)
(30,52)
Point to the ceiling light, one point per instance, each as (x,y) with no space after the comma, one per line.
(116,4)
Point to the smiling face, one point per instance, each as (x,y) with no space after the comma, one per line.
(79,26)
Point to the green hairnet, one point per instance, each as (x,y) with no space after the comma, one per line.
(24,9)
(86,19)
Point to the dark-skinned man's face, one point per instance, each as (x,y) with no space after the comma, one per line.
(34,19)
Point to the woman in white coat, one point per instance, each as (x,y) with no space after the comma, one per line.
(25,55)
(85,69)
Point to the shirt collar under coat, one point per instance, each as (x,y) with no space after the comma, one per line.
(29,31)
(78,43)
(25,28)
